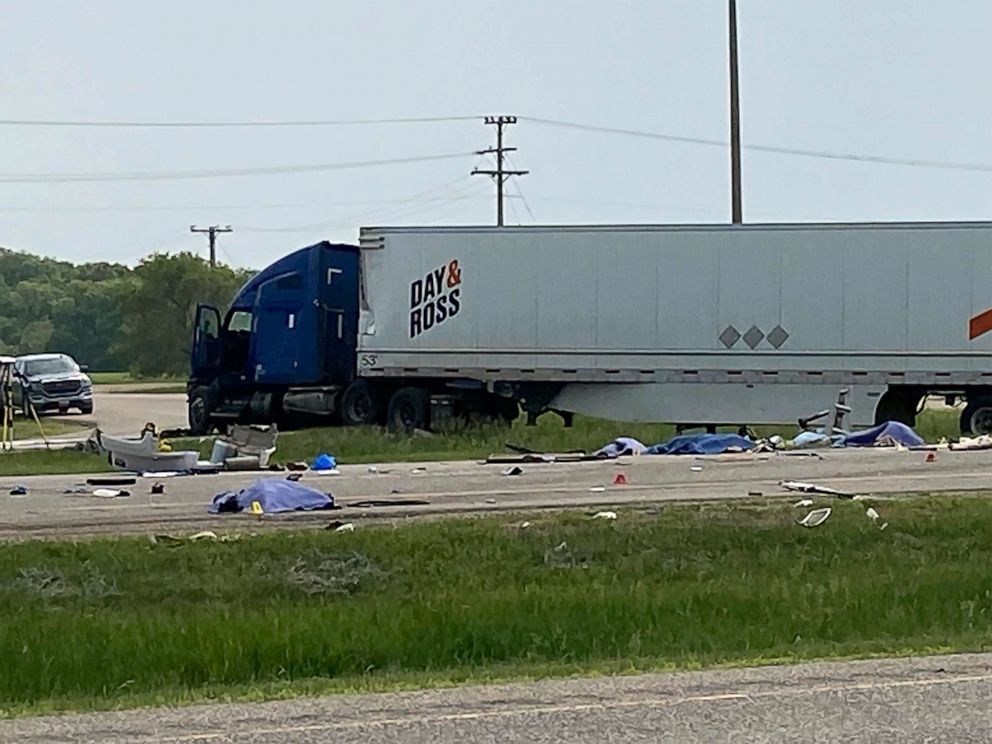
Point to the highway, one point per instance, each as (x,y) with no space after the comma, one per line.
(472,487)
(903,701)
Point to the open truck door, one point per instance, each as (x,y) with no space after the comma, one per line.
(205,357)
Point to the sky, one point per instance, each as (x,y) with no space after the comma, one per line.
(901,79)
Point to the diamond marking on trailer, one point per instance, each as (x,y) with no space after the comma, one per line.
(778,336)
(730,336)
(754,336)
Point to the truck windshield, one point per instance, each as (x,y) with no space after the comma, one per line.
(56,366)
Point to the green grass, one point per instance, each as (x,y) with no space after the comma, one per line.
(122,378)
(123,622)
(26,428)
(50,462)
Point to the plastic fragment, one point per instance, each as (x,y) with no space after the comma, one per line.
(605,515)
(816,517)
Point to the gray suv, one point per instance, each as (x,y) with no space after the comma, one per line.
(52,382)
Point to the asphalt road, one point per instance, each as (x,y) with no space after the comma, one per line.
(128,412)
(471,487)
(936,699)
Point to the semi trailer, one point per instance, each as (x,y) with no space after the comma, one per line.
(688,324)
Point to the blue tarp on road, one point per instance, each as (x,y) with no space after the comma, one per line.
(701,444)
(884,434)
(273,495)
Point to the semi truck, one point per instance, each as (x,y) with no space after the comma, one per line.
(699,325)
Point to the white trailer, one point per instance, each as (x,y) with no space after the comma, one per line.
(690,324)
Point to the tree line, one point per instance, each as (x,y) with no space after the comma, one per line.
(109,316)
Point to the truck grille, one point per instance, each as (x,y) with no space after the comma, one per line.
(62,387)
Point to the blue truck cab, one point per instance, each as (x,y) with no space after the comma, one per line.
(287,344)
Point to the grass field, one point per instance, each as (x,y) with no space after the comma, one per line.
(125,622)
(26,428)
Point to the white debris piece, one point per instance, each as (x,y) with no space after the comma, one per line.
(605,515)
(205,535)
(813,488)
(803,503)
(816,517)
(871,514)
(696,469)
(346,527)
(524,525)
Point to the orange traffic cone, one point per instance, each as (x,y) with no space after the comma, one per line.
(931,457)
(620,479)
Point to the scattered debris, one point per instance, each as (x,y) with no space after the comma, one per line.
(524,525)
(888,434)
(375,503)
(297,466)
(418,471)
(813,488)
(598,489)
(490,501)
(803,503)
(157,488)
(324,462)
(372,469)
(514,470)
(110,493)
(874,516)
(145,453)
(816,517)
(295,477)
(19,491)
(346,527)
(162,474)
(76,491)
(755,493)
(619,447)
(609,515)
(205,535)
(696,469)
(111,481)
(965,444)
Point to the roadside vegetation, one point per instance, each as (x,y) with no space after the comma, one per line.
(124,622)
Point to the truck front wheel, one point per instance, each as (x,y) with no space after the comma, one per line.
(359,404)
(199,411)
(409,409)
(976,418)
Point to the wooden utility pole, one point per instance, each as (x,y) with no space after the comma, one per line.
(501,173)
(212,238)
(735,123)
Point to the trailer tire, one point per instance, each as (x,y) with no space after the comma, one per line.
(895,407)
(409,409)
(976,418)
(359,404)
(199,411)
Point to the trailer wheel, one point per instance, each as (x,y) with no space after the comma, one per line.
(895,407)
(409,409)
(199,411)
(976,418)
(359,404)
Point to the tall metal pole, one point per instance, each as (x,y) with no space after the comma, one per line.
(735,123)
(499,172)
(212,237)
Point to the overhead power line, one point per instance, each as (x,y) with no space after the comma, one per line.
(221,173)
(802,152)
(230,124)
